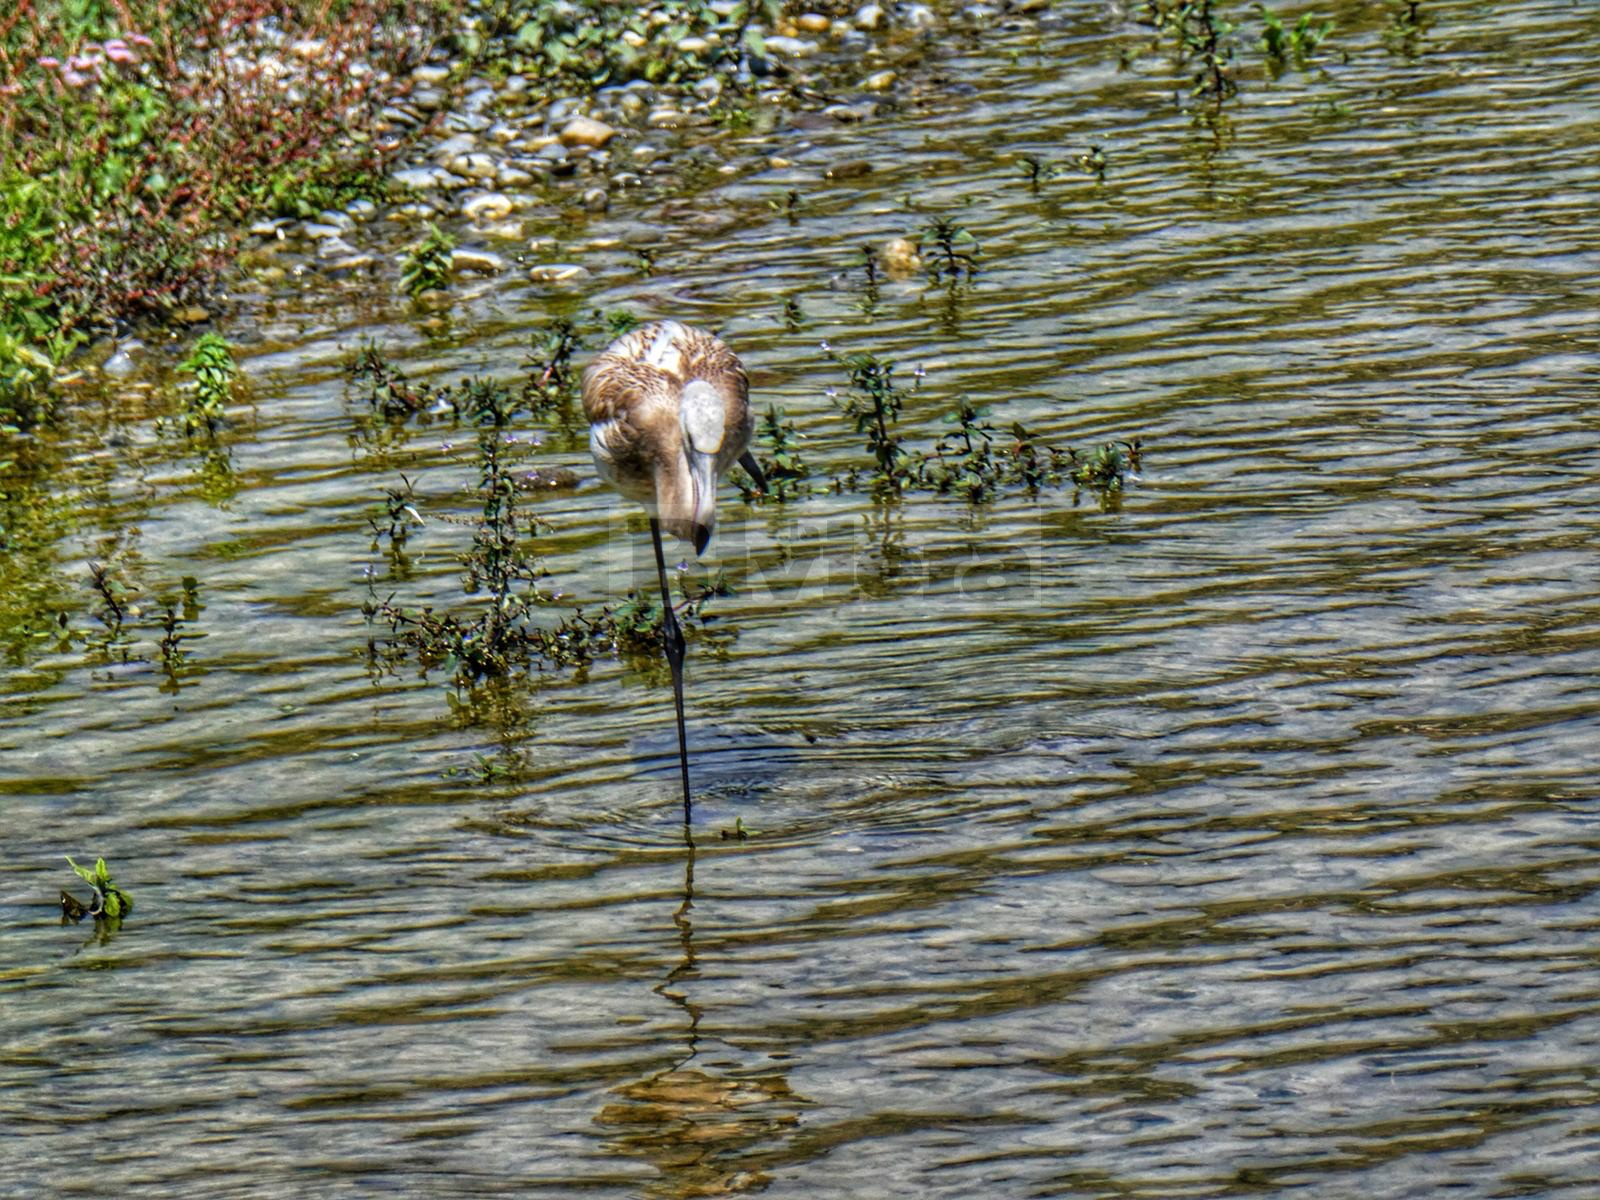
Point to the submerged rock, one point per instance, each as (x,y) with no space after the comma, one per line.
(586,131)
(482,262)
(869,17)
(558,273)
(419,179)
(899,258)
(491,206)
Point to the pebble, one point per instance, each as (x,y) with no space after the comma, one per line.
(343,222)
(850,113)
(558,273)
(869,16)
(693,45)
(920,16)
(474,166)
(461,143)
(557,158)
(899,258)
(471,122)
(491,206)
(483,262)
(853,169)
(596,200)
(509,230)
(514,177)
(664,118)
(121,363)
(478,99)
(335,247)
(502,132)
(418,178)
(361,209)
(813,23)
(586,131)
(317,231)
(431,74)
(349,264)
(426,98)
(191,314)
(275,228)
(882,81)
(790,47)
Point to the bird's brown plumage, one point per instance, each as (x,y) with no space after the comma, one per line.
(633,395)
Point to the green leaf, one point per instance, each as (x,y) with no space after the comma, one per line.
(84,873)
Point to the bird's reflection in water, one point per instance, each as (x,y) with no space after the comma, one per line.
(706,1132)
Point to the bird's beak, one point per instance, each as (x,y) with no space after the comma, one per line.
(703,474)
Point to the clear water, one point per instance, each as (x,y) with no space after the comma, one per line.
(1235,840)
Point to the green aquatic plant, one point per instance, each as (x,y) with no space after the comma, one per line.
(211,363)
(1290,44)
(1105,469)
(549,384)
(384,385)
(427,265)
(950,250)
(964,461)
(113,595)
(109,900)
(1198,35)
(782,465)
(873,403)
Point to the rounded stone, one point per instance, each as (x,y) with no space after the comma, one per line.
(586,131)
(491,206)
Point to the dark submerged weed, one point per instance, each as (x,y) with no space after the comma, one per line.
(950,250)
(781,462)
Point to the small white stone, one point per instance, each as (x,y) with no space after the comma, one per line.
(790,47)
(586,131)
(869,16)
(474,166)
(491,206)
(558,273)
(481,261)
(418,178)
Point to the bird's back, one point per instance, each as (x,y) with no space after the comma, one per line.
(651,364)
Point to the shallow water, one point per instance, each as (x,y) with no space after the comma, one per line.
(1234,839)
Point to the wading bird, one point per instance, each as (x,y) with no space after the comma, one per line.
(669,414)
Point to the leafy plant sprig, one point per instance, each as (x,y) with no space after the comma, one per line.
(427,265)
(211,363)
(109,900)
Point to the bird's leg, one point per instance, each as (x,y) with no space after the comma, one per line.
(672,636)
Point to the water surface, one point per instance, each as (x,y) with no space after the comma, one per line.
(1231,840)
